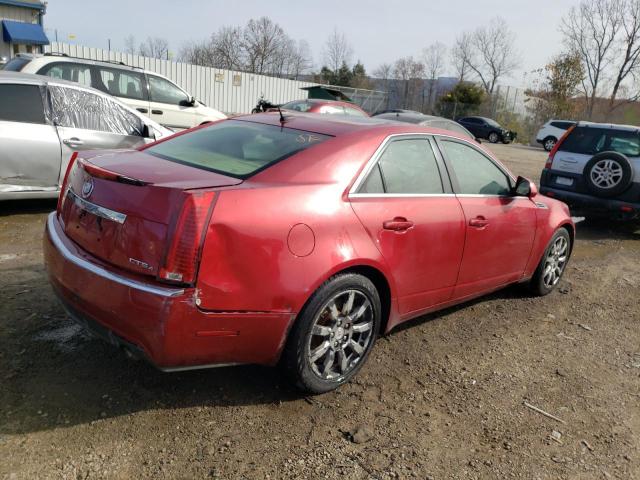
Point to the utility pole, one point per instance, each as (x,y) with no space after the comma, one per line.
(109,44)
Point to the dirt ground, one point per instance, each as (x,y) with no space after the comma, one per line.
(443,397)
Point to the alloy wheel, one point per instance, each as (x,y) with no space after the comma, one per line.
(341,335)
(555,262)
(549,144)
(606,173)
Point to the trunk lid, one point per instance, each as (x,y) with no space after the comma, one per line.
(120,206)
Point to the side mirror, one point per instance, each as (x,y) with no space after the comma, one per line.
(191,102)
(148,132)
(525,188)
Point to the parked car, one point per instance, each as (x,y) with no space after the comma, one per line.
(257,240)
(427,121)
(551,131)
(396,110)
(331,107)
(43,122)
(595,168)
(488,129)
(149,93)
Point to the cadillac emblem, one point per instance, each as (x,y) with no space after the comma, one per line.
(87,188)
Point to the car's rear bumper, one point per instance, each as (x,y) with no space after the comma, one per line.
(582,203)
(161,323)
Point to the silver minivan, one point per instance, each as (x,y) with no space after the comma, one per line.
(43,121)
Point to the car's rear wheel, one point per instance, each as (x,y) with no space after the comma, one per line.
(608,174)
(548,143)
(553,263)
(333,334)
(494,137)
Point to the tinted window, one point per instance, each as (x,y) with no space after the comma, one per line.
(73,72)
(163,91)
(297,106)
(562,125)
(16,64)
(21,103)
(236,148)
(476,174)
(121,83)
(590,141)
(474,121)
(373,182)
(409,166)
(75,108)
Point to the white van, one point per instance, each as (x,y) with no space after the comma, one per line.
(151,94)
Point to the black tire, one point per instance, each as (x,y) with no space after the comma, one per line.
(296,357)
(255,110)
(493,137)
(549,142)
(506,140)
(621,172)
(538,284)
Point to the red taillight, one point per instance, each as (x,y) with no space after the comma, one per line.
(63,187)
(183,254)
(626,208)
(553,151)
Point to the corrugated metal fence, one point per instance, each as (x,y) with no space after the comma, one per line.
(225,90)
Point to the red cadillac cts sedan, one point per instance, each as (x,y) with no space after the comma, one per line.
(257,240)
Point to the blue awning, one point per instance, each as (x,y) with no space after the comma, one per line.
(24,33)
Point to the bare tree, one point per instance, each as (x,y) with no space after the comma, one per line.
(591,29)
(155,47)
(434,59)
(409,72)
(300,59)
(494,55)
(263,39)
(337,51)
(228,49)
(130,45)
(461,55)
(630,46)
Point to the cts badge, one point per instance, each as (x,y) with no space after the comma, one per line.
(140,263)
(87,188)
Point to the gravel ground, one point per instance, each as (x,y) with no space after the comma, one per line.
(443,397)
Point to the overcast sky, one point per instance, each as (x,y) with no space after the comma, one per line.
(379,31)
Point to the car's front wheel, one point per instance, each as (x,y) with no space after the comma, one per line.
(553,263)
(494,137)
(334,333)
(548,143)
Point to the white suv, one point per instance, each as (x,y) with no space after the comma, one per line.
(149,93)
(551,132)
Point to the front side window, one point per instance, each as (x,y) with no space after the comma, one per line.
(405,167)
(76,108)
(236,148)
(476,173)
(73,72)
(163,91)
(121,83)
(21,103)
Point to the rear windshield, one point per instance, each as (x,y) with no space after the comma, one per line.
(16,64)
(236,148)
(589,141)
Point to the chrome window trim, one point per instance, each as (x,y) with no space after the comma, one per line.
(101,272)
(96,209)
(400,195)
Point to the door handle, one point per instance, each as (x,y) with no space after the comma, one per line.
(156,112)
(73,142)
(479,222)
(142,110)
(398,224)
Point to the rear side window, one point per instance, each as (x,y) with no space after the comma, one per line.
(16,64)
(590,141)
(21,103)
(121,83)
(75,108)
(562,125)
(405,167)
(236,148)
(73,72)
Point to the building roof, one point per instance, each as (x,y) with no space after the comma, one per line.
(23,33)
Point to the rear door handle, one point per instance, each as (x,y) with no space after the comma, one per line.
(398,224)
(73,142)
(479,222)
(156,112)
(142,110)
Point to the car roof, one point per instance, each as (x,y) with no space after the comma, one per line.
(51,58)
(321,101)
(408,117)
(337,125)
(615,126)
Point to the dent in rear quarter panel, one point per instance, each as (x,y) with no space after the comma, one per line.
(246,262)
(549,219)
